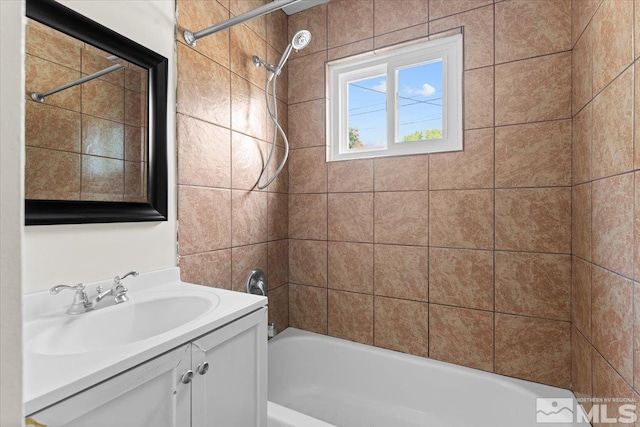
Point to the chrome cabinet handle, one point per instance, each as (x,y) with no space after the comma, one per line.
(187,377)
(203,368)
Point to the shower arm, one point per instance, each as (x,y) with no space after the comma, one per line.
(39,97)
(191,37)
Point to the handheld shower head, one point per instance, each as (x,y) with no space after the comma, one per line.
(301,39)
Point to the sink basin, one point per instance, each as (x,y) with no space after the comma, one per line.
(115,326)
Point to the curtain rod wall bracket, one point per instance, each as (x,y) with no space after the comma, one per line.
(191,37)
(37,97)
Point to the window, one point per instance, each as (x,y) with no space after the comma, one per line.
(404,100)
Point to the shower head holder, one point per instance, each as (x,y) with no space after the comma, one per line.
(259,62)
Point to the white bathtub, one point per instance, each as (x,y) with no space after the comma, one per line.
(320,381)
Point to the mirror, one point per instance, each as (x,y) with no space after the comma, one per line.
(95,122)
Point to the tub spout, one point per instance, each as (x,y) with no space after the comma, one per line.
(271,330)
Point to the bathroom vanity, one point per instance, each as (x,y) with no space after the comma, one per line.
(175,354)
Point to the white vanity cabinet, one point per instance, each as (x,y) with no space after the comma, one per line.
(233,390)
(147,395)
(228,387)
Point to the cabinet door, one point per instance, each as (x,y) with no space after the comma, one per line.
(233,391)
(150,394)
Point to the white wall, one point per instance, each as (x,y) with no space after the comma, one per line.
(34,258)
(11,210)
(83,253)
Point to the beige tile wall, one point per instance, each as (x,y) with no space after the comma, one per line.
(86,142)
(463,257)
(606,216)
(226,227)
(515,256)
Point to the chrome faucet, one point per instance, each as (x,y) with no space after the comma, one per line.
(82,304)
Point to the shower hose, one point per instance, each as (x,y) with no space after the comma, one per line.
(273,115)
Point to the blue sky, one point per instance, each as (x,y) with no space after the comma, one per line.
(420,92)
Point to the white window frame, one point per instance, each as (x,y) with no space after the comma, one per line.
(387,62)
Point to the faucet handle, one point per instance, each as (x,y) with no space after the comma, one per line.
(80,302)
(117,280)
(59,288)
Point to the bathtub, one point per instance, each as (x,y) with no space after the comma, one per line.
(320,381)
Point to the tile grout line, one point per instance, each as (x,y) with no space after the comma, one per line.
(593,96)
(178,256)
(634,287)
(81,123)
(425,302)
(571,210)
(373,200)
(441,190)
(493,258)
(456,248)
(428,22)
(429,254)
(630,385)
(429,303)
(634,308)
(231,157)
(326,53)
(373,252)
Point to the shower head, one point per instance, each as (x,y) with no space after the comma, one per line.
(301,39)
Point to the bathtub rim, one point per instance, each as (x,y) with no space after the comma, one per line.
(531,386)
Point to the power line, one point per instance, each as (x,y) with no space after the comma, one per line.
(418,102)
(367,112)
(384,109)
(367,106)
(384,103)
(399,96)
(431,119)
(421,121)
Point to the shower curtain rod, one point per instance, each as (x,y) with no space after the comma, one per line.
(39,97)
(191,38)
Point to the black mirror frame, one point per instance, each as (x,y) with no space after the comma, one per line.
(46,212)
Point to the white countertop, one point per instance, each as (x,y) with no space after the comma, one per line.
(50,378)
